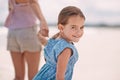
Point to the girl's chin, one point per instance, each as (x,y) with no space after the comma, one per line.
(76,40)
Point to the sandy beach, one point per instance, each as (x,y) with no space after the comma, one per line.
(99,55)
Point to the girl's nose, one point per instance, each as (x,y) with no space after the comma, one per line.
(80,32)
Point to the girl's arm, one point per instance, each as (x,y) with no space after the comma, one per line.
(63,59)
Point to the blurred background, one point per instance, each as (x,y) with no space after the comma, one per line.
(97,12)
(99,48)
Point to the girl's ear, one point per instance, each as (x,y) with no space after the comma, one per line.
(60,27)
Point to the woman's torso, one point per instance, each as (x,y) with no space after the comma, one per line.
(21,15)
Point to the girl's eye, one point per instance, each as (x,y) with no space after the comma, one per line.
(73,27)
(82,27)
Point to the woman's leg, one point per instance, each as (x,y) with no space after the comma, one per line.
(33,59)
(19,65)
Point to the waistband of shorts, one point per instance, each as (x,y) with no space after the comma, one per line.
(31,27)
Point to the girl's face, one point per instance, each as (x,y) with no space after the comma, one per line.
(73,30)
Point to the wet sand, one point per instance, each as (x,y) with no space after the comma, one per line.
(99,55)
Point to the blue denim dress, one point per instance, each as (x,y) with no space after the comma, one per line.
(51,52)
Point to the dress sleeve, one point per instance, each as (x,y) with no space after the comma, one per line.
(59,47)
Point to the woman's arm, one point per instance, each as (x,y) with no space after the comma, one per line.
(37,10)
(63,59)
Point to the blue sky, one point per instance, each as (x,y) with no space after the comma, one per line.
(96,11)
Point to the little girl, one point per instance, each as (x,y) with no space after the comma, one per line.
(59,52)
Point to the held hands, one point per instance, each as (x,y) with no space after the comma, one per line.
(41,38)
(44,31)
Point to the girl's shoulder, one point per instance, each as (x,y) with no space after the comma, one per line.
(57,41)
(62,44)
(59,44)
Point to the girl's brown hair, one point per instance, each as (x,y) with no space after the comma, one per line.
(66,13)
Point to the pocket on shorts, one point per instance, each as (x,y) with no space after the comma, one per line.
(34,28)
